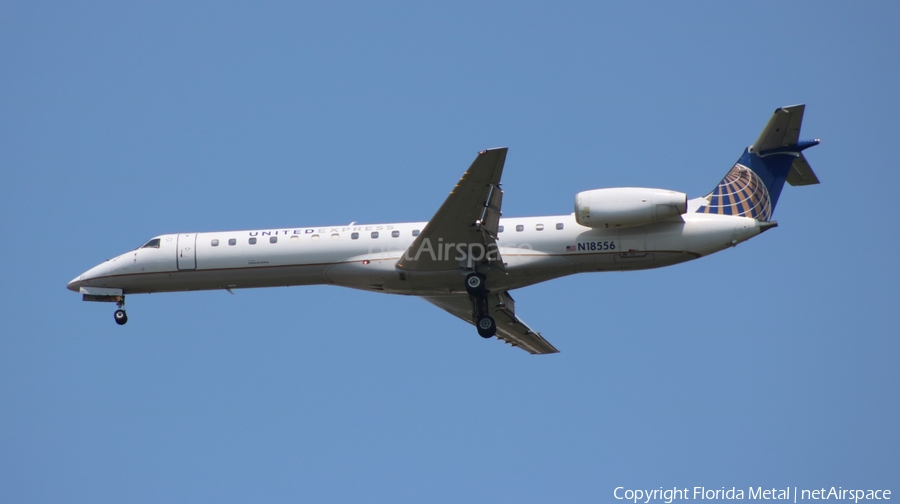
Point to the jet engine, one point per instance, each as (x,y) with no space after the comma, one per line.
(621,207)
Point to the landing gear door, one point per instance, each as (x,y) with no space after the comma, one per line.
(187,251)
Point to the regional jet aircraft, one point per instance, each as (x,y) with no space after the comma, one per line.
(467,259)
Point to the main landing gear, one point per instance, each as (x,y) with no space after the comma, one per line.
(475,284)
(487,327)
(479,294)
(120,316)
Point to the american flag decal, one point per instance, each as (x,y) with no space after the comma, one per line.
(570,248)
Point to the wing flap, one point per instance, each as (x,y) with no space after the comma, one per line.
(490,217)
(512,330)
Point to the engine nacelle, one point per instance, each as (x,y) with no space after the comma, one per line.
(627,206)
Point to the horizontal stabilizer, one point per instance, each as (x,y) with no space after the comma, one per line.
(782,130)
(801,173)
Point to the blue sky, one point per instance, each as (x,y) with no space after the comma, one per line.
(773,364)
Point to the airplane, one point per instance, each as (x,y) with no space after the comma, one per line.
(467,259)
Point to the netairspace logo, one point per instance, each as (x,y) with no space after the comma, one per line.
(795,494)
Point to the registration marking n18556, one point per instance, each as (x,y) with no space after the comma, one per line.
(594,246)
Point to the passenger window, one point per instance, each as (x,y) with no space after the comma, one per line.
(335,237)
(215,243)
(539,227)
(354,236)
(273,239)
(295,238)
(232,241)
(374,234)
(499,229)
(154,243)
(395,234)
(252,241)
(520,227)
(315,237)
(415,232)
(559,225)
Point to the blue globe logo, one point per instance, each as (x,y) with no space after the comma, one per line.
(740,193)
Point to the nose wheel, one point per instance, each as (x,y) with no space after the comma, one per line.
(120,316)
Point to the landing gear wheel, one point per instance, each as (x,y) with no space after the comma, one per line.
(475,284)
(121,317)
(486,327)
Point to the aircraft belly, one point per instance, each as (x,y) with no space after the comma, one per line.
(237,278)
(650,260)
(703,234)
(379,275)
(524,270)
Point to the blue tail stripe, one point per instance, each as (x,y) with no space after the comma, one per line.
(772,169)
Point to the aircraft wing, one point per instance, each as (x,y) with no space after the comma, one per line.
(503,309)
(469,215)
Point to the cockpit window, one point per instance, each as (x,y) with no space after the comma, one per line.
(154,243)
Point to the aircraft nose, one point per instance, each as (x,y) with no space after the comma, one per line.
(75,284)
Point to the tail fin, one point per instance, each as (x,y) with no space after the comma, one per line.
(751,188)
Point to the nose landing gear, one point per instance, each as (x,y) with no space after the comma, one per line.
(120,316)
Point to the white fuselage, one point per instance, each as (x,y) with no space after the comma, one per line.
(533,249)
(467,259)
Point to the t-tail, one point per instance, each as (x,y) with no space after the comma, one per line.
(752,186)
